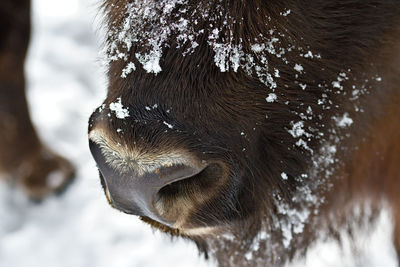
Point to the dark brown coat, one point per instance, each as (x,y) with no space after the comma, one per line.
(288,169)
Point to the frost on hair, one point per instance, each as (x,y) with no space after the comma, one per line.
(118,108)
(145,29)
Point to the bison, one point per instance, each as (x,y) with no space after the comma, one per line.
(250,127)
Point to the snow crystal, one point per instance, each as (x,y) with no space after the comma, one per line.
(324,159)
(169,125)
(303,144)
(118,108)
(258,48)
(128,69)
(284,176)
(309,54)
(249,255)
(287,234)
(150,62)
(337,84)
(293,219)
(298,68)
(297,129)
(344,121)
(102,107)
(285,13)
(221,58)
(271,98)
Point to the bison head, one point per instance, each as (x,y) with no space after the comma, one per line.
(226,118)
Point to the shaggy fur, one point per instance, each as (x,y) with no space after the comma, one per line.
(223,117)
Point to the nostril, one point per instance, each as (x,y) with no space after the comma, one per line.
(172,174)
(198,182)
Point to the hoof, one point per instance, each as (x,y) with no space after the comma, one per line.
(44,174)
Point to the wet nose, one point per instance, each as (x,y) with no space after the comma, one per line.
(137,192)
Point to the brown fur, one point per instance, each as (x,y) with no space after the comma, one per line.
(373,171)
(210,109)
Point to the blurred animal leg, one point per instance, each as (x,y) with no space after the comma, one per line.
(24,160)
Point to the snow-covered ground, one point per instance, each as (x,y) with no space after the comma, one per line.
(79,229)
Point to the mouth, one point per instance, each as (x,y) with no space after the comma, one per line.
(162,227)
(189,233)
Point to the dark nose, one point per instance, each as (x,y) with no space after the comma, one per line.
(135,193)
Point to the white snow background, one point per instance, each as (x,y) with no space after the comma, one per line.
(79,229)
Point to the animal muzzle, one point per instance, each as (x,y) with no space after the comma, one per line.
(136,191)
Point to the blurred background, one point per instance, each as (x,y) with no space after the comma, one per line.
(65,82)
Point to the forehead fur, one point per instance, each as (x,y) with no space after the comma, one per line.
(140,31)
